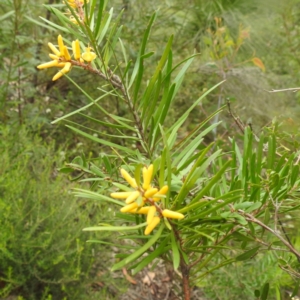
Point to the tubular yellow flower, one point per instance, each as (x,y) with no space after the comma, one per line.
(121,195)
(129,207)
(73,20)
(147,176)
(88,55)
(128,178)
(76,49)
(53,49)
(61,44)
(63,71)
(162,191)
(151,226)
(76,3)
(151,214)
(61,64)
(66,53)
(50,64)
(53,56)
(132,197)
(142,210)
(172,214)
(149,193)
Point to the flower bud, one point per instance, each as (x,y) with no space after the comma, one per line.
(151,214)
(53,49)
(60,44)
(128,178)
(47,65)
(76,49)
(147,176)
(142,210)
(149,193)
(129,207)
(66,53)
(151,226)
(121,195)
(172,214)
(134,195)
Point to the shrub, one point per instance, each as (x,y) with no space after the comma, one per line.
(43,254)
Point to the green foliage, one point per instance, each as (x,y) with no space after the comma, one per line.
(232,201)
(42,248)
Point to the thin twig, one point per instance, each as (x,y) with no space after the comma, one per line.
(252,219)
(284,90)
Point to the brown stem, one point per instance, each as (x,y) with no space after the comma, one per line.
(184,268)
(185,271)
(116,83)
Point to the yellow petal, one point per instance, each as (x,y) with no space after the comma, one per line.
(151,214)
(54,49)
(47,65)
(147,176)
(172,214)
(120,195)
(88,55)
(132,197)
(151,226)
(76,49)
(149,193)
(66,53)
(60,44)
(128,178)
(129,207)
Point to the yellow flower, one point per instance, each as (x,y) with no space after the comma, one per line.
(61,57)
(143,199)
(76,49)
(50,64)
(88,55)
(152,225)
(77,3)
(63,71)
(172,214)
(151,214)
(147,175)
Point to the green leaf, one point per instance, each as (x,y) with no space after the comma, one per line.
(162,248)
(114,228)
(138,69)
(160,65)
(175,252)
(265,291)
(101,141)
(140,251)
(248,254)
(211,182)
(95,196)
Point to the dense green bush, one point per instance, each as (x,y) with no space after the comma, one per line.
(43,251)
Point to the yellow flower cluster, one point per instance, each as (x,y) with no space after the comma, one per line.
(61,57)
(76,3)
(77,6)
(144,199)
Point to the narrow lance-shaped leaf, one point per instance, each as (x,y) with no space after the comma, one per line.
(140,251)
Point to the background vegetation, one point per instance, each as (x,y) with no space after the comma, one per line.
(43,251)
